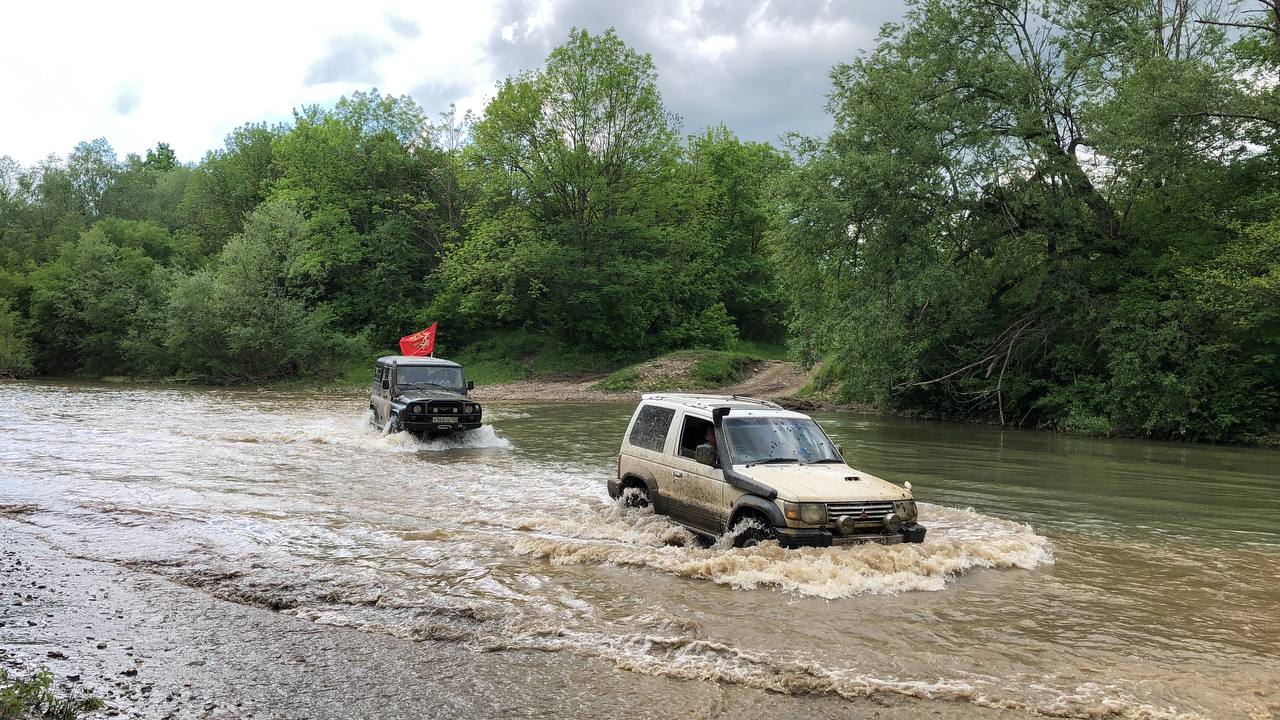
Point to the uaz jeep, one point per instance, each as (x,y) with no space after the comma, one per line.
(422,395)
(748,467)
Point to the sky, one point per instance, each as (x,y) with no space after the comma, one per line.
(139,73)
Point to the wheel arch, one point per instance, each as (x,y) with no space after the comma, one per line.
(756,505)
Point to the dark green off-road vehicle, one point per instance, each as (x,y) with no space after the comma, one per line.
(422,395)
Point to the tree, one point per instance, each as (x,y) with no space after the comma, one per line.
(96,309)
(15,343)
(573,228)
(1004,180)
(242,321)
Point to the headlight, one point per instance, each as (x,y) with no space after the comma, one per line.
(905,509)
(416,409)
(473,409)
(809,513)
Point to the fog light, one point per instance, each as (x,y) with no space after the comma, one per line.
(892,522)
(847,525)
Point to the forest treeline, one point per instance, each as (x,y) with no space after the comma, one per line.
(1045,214)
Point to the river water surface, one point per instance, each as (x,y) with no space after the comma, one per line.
(1061,577)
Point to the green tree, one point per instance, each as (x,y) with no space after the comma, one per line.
(96,309)
(241,321)
(994,228)
(16,353)
(573,228)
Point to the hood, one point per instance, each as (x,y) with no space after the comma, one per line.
(823,483)
(421,394)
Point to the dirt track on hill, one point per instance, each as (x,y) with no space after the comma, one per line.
(776,380)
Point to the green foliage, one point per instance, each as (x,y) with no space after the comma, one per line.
(568,215)
(242,321)
(578,229)
(32,697)
(16,354)
(1050,214)
(722,368)
(683,370)
(506,356)
(96,309)
(624,380)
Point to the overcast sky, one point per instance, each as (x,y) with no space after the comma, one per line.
(187,73)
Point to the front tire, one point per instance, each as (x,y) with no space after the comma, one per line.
(751,531)
(636,496)
(393,424)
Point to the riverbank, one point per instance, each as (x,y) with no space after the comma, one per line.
(780,381)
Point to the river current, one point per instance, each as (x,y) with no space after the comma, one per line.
(1060,577)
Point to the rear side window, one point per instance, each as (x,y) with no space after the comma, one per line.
(650,429)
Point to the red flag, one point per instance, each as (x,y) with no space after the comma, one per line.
(420,344)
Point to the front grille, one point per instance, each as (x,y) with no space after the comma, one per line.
(444,408)
(868,515)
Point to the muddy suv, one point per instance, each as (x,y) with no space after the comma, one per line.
(750,468)
(422,395)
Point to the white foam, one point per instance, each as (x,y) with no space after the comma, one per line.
(958,541)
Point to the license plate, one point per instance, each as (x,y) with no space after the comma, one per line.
(444,419)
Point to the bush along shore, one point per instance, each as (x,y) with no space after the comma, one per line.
(1082,233)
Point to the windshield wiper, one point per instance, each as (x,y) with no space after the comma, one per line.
(826,460)
(769,461)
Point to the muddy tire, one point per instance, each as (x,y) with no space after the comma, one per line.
(751,531)
(393,424)
(636,496)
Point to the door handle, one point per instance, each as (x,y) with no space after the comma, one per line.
(677,473)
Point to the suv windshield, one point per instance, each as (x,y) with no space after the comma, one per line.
(449,378)
(776,439)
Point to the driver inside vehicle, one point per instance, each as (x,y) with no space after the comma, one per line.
(709,449)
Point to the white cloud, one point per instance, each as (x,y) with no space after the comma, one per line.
(146,72)
(187,74)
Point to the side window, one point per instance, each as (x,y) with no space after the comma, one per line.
(650,429)
(694,434)
(377,378)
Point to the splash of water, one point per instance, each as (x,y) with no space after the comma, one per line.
(959,541)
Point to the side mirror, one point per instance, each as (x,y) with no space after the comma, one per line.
(705,455)
(471,384)
(840,450)
(386,384)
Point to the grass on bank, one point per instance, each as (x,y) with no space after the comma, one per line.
(32,697)
(512,356)
(684,370)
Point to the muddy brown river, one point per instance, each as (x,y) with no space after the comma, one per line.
(1061,577)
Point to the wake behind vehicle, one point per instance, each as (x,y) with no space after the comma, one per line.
(422,395)
(718,464)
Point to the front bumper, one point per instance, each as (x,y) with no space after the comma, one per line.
(426,425)
(820,537)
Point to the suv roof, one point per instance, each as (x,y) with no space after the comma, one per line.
(416,360)
(738,404)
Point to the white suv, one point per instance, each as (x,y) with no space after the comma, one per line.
(718,464)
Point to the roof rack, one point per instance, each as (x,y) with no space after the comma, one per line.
(710,401)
